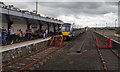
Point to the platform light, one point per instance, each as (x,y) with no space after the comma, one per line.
(115,22)
(106,24)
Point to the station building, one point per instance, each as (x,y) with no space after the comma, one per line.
(23,21)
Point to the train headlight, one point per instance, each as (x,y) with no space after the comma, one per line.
(69,35)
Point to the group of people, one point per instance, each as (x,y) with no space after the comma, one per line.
(20,36)
(43,33)
(4,35)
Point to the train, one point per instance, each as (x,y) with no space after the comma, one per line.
(68,30)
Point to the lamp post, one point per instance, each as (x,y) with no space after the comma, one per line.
(115,22)
(106,24)
(36,6)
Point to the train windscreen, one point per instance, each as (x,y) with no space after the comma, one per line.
(65,28)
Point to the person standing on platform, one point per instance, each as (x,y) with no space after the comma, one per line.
(43,33)
(27,35)
(58,31)
(17,39)
(0,36)
(21,35)
(4,35)
(46,32)
(40,33)
(30,34)
(12,34)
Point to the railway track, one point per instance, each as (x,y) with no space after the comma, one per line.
(33,53)
(27,61)
(109,58)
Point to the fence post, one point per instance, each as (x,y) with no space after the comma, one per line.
(97,43)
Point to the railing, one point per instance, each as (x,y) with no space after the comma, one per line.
(25,15)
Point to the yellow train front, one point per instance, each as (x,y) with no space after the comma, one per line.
(66,30)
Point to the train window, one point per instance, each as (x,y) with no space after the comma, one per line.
(68,28)
(65,28)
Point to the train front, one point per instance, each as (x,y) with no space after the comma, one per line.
(66,30)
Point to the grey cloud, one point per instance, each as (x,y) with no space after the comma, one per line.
(76,8)
(71,5)
(54,9)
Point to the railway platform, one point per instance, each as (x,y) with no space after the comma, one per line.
(22,44)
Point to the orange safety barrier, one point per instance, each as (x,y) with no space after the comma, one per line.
(109,45)
(106,46)
(61,39)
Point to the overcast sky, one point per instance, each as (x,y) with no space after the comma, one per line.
(83,13)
